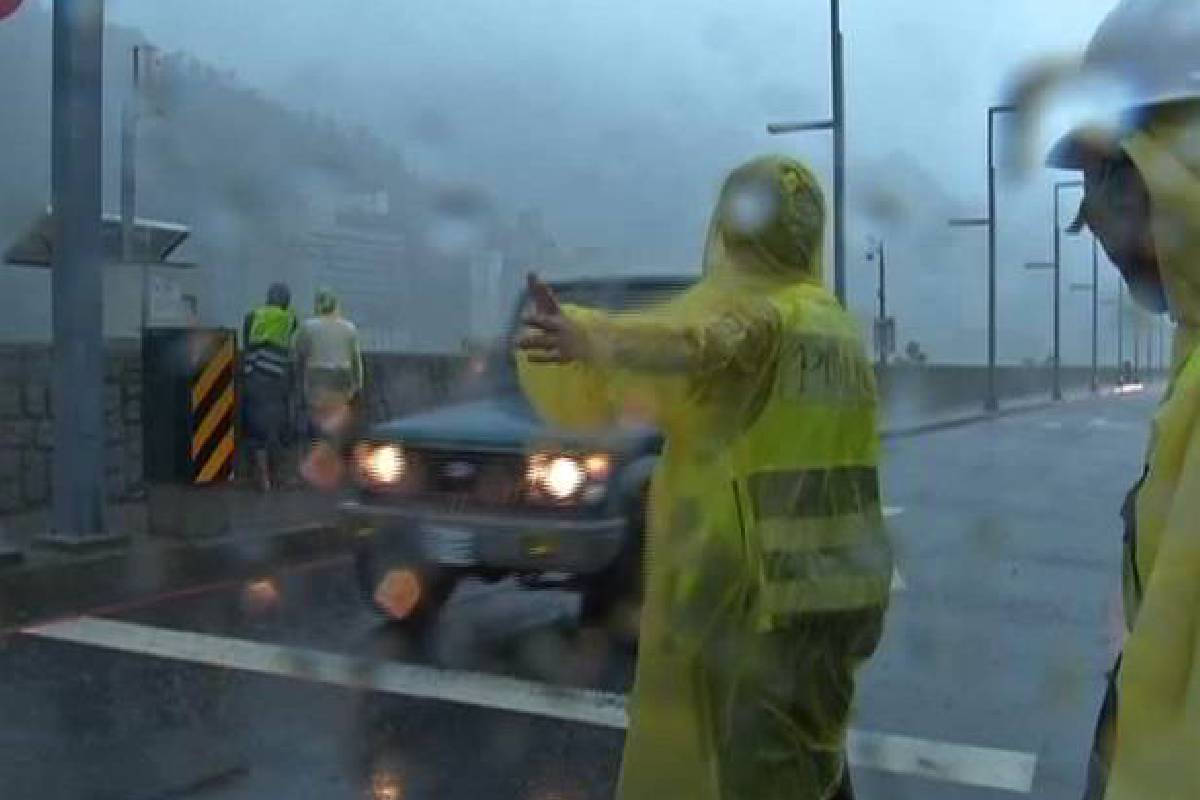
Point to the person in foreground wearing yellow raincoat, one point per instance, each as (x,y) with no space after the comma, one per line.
(1142,201)
(768,567)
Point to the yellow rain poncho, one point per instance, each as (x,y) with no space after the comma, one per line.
(767,564)
(1158,716)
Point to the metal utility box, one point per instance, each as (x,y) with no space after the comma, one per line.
(189,419)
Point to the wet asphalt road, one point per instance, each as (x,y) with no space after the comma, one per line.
(1003,622)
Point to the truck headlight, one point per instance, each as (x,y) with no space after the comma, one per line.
(381,464)
(565,477)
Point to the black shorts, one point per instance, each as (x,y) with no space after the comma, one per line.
(265,404)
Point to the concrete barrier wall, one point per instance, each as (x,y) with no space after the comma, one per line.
(397,384)
(917,391)
(27,423)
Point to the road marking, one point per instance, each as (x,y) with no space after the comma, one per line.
(904,755)
(984,767)
(466,688)
(898,583)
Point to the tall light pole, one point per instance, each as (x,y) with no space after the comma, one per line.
(837,125)
(1048,266)
(77,515)
(1094,288)
(1056,392)
(1120,334)
(885,334)
(130,115)
(991,401)
(1095,314)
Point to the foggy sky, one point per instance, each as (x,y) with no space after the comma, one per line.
(617,121)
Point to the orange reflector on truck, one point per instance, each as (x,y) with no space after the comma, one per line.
(399,593)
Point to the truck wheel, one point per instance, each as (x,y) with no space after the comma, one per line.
(612,599)
(394,586)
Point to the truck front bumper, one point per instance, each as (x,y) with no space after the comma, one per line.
(482,541)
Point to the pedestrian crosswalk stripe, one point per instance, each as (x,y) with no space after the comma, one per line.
(966,765)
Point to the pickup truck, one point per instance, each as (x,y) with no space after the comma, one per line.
(487,490)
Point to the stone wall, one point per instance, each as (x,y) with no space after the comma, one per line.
(397,384)
(27,424)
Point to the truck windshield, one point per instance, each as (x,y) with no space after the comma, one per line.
(605,295)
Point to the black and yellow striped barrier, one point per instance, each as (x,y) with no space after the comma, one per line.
(212,410)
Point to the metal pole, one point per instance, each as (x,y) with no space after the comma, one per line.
(1095,315)
(129,123)
(1163,331)
(991,402)
(1137,346)
(77,515)
(883,352)
(1056,386)
(1120,332)
(839,151)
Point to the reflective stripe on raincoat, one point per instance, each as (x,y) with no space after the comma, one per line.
(767,565)
(1158,714)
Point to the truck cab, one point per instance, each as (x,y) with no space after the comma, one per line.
(485,489)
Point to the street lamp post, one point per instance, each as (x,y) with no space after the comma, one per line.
(1120,334)
(837,125)
(77,515)
(1094,288)
(991,401)
(130,117)
(1119,303)
(1056,391)
(884,332)
(1048,266)
(1095,314)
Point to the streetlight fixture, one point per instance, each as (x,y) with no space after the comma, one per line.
(837,125)
(991,402)
(885,326)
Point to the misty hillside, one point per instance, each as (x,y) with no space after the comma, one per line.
(251,177)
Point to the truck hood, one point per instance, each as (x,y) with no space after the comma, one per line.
(506,422)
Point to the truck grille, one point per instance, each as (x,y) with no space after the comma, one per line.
(463,479)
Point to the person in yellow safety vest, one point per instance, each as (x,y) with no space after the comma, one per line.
(768,566)
(268,332)
(1141,174)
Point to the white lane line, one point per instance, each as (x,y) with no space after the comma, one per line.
(984,767)
(941,761)
(466,688)
(898,583)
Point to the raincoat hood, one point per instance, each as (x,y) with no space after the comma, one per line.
(1159,698)
(769,224)
(1166,151)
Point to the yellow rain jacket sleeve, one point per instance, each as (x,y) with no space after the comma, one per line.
(1158,718)
(722,708)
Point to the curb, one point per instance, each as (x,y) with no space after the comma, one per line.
(130,575)
(907,432)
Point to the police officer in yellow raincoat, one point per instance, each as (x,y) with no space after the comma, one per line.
(768,567)
(1142,201)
